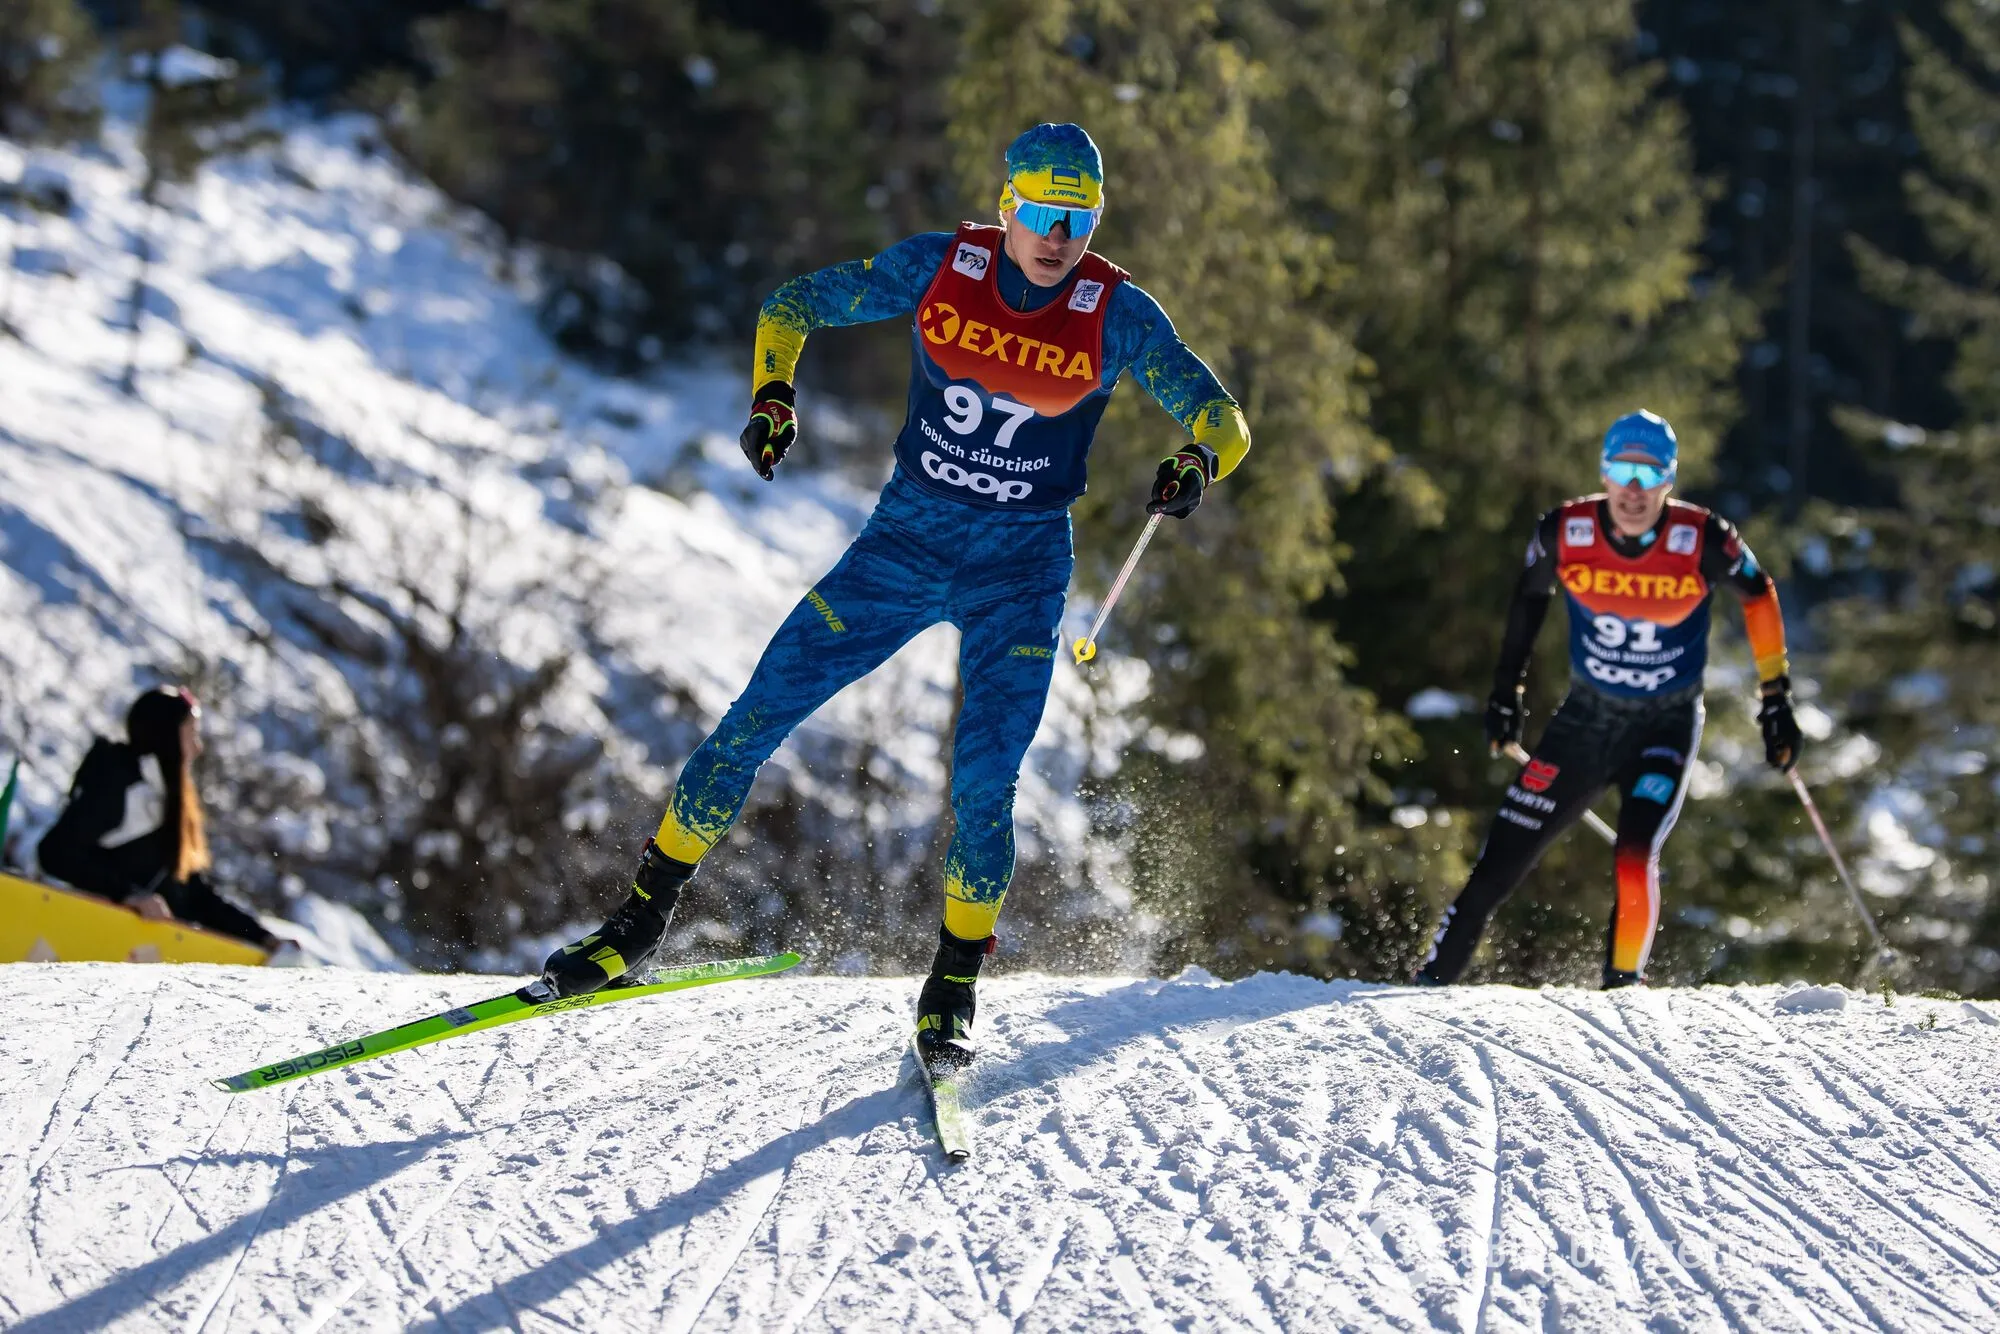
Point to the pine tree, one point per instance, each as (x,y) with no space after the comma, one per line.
(45,47)
(1914,642)
(709,154)
(1517,206)
(197,107)
(1259,795)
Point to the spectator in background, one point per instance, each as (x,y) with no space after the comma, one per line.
(132,831)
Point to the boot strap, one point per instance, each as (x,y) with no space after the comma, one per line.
(659,878)
(958,960)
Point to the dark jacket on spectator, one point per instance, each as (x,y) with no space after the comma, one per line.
(113,840)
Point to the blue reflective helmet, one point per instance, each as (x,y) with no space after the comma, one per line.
(1644,433)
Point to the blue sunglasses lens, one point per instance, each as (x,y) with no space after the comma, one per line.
(1647,475)
(1041,219)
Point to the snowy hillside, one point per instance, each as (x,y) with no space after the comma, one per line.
(1277,1154)
(351,442)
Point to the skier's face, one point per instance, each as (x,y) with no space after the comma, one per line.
(1047,260)
(1634,508)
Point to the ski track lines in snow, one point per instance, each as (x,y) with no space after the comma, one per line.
(1273,1154)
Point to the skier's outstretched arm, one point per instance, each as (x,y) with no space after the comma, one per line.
(1727,559)
(859,291)
(856,292)
(1138,335)
(1505,711)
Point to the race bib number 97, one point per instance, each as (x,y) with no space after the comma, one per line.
(967,410)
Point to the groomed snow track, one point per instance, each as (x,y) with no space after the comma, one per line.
(1275,1154)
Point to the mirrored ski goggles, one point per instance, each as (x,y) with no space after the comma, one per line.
(1648,475)
(1041,219)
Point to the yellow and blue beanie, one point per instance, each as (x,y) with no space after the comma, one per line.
(1054,164)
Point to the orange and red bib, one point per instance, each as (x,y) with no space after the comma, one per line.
(1638,625)
(1005,403)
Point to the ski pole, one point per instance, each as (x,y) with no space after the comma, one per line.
(1086,647)
(1883,953)
(7,805)
(1517,753)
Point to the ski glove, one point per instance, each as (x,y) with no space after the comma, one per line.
(1505,712)
(773,429)
(1781,730)
(1177,487)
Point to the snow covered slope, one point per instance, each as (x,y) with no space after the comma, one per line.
(1273,1154)
(349,431)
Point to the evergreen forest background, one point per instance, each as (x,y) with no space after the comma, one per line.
(1434,248)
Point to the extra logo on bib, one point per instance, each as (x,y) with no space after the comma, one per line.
(972,260)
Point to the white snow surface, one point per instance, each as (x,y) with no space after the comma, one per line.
(1272,1154)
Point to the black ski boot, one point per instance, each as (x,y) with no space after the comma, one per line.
(629,938)
(947,1003)
(1616,979)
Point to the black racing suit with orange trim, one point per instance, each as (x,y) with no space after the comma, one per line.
(1638,612)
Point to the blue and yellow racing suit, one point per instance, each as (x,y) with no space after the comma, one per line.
(1008,381)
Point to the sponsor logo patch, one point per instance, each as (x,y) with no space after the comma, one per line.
(1530,800)
(1539,774)
(981,483)
(1654,787)
(943,325)
(826,611)
(1636,677)
(1681,538)
(972,260)
(1579,532)
(1086,296)
(1515,817)
(1583,579)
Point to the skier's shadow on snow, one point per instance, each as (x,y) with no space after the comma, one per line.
(312,1179)
(1093,1027)
(500,1306)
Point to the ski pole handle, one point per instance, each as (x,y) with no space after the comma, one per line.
(1516,752)
(1086,647)
(1860,904)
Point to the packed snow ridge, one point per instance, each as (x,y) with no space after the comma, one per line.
(1272,1154)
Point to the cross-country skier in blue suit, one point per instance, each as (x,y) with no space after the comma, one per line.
(1019,335)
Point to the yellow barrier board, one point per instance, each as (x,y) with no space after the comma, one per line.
(42,924)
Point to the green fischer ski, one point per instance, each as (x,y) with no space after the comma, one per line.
(534,999)
(943,1081)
